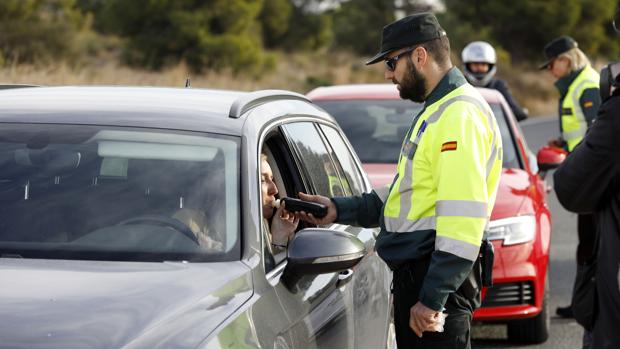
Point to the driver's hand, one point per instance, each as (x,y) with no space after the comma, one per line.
(332,211)
(283,225)
(209,243)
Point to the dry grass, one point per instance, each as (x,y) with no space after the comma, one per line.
(296,72)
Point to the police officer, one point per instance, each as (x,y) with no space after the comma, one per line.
(433,216)
(578,84)
(589,181)
(479,67)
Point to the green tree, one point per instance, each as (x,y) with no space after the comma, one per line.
(358,23)
(37,30)
(308,29)
(207,34)
(275,17)
(524,27)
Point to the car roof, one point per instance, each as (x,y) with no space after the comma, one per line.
(171,108)
(377,91)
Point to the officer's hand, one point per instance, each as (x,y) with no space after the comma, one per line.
(556,142)
(422,318)
(332,211)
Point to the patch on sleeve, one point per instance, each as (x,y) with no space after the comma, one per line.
(588,104)
(448,146)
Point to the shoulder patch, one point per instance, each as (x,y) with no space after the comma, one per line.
(588,104)
(448,146)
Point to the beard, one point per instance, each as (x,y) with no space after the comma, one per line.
(413,85)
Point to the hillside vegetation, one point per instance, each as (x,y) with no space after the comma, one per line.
(289,44)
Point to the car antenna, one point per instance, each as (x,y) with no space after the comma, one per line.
(188,83)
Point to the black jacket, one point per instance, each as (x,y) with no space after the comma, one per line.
(502,87)
(589,181)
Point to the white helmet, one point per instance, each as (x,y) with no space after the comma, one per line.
(479,52)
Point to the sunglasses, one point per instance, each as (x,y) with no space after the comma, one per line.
(390,63)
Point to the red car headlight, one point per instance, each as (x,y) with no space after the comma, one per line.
(513,230)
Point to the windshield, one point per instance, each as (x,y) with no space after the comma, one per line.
(105,193)
(376,128)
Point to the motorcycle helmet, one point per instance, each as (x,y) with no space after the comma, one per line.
(479,52)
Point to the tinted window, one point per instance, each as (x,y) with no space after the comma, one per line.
(118,193)
(349,167)
(316,159)
(375,128)
(510,158)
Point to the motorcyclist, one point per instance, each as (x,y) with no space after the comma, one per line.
(479,68)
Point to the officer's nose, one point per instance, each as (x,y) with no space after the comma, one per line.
(388,75)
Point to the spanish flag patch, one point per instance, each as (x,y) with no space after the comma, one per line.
(448,146)
(588,104)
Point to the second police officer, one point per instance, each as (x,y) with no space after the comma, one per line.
(578,85)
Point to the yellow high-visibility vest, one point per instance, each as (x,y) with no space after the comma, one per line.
(448,173)
(574,124)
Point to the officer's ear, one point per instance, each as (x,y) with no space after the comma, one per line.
(420,57)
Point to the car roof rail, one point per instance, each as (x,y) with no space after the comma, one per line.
(10,86)
(254,99)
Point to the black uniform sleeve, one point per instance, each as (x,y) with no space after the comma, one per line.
(590,102)
(582,181)
(363,210)
(502,87)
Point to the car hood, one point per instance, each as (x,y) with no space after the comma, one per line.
(514,188)
(85,304)
(513,192)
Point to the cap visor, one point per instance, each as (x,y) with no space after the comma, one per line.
(544,65)
(378,57)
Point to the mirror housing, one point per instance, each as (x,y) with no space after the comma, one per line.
(319,251)
(549,158)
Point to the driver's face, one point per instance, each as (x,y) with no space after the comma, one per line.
(268,189)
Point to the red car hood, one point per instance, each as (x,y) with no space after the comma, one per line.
(514,188)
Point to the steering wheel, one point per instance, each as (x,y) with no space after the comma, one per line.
(163,221)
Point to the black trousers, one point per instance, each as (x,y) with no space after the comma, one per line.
(406,286)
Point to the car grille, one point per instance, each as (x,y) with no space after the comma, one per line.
(517,293)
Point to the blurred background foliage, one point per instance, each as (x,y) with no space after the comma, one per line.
(245,35)
(293,44)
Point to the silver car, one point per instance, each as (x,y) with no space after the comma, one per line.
(131,218)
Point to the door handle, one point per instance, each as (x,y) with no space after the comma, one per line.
(344,277)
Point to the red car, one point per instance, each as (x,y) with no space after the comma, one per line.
(375,120)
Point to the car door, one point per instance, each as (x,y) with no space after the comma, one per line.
(371,280)
(313,311)
(320,307)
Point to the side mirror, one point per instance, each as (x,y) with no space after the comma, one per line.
(321,251)
(549,158)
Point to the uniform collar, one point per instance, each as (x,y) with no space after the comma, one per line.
(451,81)
(564,82)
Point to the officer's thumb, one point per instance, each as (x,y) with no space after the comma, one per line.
(306,197)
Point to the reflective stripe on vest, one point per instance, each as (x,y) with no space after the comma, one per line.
(574,124)
(401,224)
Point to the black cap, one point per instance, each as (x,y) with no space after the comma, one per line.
(556,47)
(408,31)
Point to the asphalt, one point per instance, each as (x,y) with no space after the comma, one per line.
(565,334)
